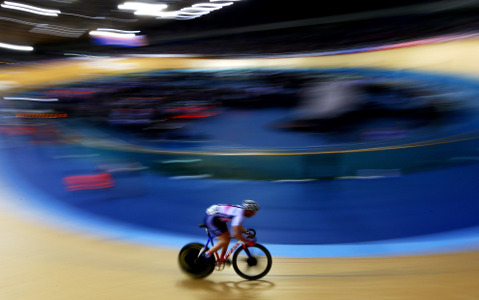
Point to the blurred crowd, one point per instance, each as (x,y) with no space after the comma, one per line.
(161,104)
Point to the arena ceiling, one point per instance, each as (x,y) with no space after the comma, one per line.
(28,24)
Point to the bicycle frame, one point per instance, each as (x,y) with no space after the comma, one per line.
(248,264)
(230,251)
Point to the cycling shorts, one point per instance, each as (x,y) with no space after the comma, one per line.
(215,225)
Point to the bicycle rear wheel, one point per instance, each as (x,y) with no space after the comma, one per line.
(191,264)
(254,266)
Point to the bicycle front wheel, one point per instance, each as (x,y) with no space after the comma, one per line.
(253,266)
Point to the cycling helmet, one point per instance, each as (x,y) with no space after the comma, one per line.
(250,205)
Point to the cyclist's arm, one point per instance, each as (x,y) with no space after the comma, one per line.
(237,233)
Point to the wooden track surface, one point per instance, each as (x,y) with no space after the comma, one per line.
(454,57)
(42,262)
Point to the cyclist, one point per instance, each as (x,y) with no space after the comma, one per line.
(216,218)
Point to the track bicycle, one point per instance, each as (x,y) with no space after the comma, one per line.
(250,262)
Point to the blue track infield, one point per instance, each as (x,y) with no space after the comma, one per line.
(64,217)
(280,232)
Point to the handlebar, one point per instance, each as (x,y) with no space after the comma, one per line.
(250,234)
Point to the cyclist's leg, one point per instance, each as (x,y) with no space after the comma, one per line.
(220,230)
(224,241)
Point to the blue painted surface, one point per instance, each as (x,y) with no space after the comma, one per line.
(40,205)
(317,212)
(429,211)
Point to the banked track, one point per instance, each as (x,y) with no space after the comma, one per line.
(42,260)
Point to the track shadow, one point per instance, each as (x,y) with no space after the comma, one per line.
(226,289)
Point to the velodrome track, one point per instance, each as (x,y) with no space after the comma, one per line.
(44,259)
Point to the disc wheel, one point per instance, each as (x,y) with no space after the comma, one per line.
(255,266)
(193,265)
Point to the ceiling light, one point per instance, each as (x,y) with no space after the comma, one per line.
(31,9)
(141,6)
(117,30)
(111,34)
(187,13)
(16,47)
(193,11)
(211,6)
(143,9)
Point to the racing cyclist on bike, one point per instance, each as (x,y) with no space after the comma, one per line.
(216,218)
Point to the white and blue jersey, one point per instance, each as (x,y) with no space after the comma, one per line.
(219,214)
